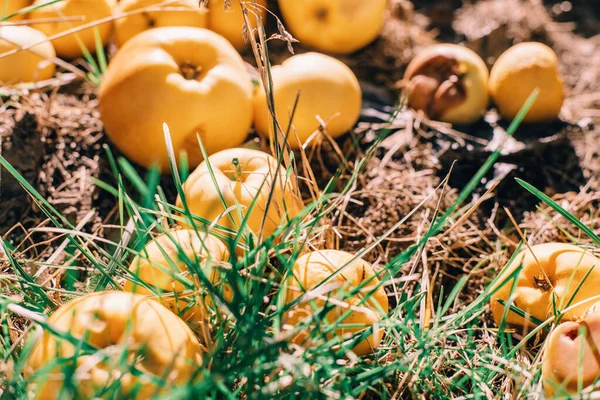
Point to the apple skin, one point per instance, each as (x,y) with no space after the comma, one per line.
(448,82)
(565,266)
(310,271)
(334,26)
(257,174)
(68,46)
(518,72)
(188,14)
(229,23)
(155,265)
(35,64)
(107,319)
(189,78)
(571,357)
(327,88)
(9,7)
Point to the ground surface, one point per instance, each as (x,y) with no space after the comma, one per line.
(55,139)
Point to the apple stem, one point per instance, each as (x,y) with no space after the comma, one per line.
(190,71)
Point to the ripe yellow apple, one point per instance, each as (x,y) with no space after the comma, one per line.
(35,64)
(311,274)
(570,359)
(157,342)
(229,23)
(328,90)
(518,72)
(70,46)
(180,13)
(9,7)
(553,270)
(162,265)
(243,175)
(448,82)
(190,78)
(336,26)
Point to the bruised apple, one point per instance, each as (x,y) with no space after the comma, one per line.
(230,22)
(82,12)
(552,275)
(153,340)
(34,64)
(518,72)
(336,26)
(238,179)
(164,266)
(189,78)
(351,288)
(448,82)
(179,13)
(324,87)
(10,7)
(571,359)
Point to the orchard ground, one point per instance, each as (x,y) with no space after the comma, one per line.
(55,140)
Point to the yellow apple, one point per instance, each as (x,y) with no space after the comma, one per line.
(518,72)
(327,277)
(448,82)
(71,45)
(570,359)
(180,13)
(336,26)
(243,176)
(35,64)
(155,341)
(9,7)
(162,266)
(553,274)
(328,90)
(229,22)
(190,78)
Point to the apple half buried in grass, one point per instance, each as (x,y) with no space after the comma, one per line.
(242,177)
(155,342)
(164,265)
(32,65)
(230,22)
(336,26)
(551,276)
(180,13)
(325,88)
(80,12)
(448,82)
(571,359)
(189,78)
(9,7)
(348,284)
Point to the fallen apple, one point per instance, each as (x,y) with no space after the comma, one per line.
(448,82)
(10,7)
(32,65)
(519,71)
(157,345)
(189,78)
(550,277)
(570,360)
(74,14)
(325,89)
(163,266)
(237,179)
(336,26)
(229,22)
(180,13)
(347,284)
